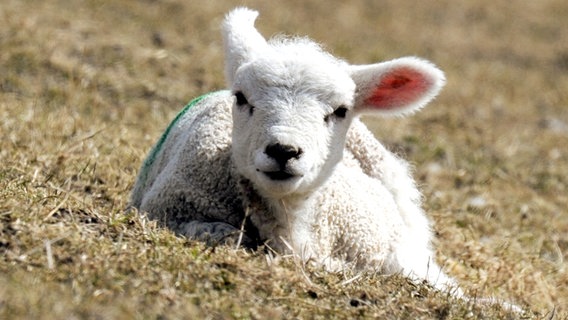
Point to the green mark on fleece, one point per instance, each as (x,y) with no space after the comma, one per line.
(154,153)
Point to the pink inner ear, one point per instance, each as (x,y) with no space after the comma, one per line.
(398,88)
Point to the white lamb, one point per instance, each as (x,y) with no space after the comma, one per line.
(284,151)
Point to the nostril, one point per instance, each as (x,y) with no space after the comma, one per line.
(282,153)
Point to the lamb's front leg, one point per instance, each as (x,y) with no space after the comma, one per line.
(213,233)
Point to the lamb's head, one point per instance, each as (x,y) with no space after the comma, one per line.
(294,104)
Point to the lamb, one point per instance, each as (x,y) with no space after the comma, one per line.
(283,156)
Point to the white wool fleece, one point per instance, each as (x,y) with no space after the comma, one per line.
(283,152)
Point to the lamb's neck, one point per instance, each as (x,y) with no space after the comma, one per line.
(295,218)
(285,222)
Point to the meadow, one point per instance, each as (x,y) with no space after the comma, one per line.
(87,87)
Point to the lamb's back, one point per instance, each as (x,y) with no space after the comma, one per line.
(188,175)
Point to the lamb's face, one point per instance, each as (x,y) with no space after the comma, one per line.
(290,121)
(294,103)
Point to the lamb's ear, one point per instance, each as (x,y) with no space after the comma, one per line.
(241,40)
(395,87)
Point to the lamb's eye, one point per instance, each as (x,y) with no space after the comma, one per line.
(241,99)
(242,102)
(340,112)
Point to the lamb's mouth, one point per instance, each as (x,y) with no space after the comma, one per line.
(280,175)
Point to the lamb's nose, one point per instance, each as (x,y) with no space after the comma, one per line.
(282,153)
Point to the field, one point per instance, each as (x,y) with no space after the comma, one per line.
(86,88)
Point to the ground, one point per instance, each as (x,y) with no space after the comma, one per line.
(86,87)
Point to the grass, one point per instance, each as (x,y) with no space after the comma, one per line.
(86,88)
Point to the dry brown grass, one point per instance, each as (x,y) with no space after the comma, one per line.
(86,87)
